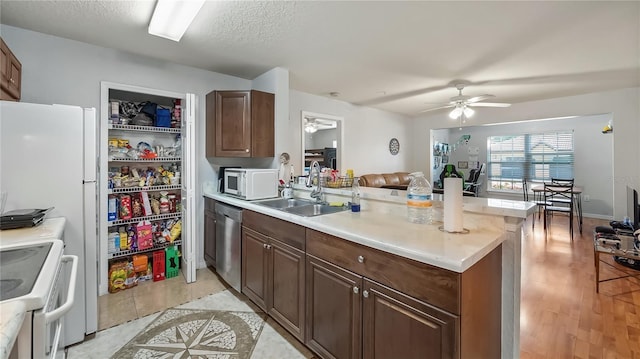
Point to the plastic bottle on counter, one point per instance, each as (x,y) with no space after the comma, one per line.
(419,195)
(355,197)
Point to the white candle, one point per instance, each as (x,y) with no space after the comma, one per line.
(453,205)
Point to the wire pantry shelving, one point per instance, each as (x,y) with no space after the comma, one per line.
(144,189)
(128,252)
(144,128)
(157,159)
(156,217)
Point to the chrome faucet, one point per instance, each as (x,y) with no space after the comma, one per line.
(317,192)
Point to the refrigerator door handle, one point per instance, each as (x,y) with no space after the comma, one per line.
(85,182)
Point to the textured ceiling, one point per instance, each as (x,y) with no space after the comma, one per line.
(398,56)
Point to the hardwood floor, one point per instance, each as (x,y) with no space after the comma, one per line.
(561,314)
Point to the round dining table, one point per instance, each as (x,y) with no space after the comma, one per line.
(576,193)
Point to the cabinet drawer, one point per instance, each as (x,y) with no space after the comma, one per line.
(433,285)
(287,232)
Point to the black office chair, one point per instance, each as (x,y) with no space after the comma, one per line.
(474,182)
(448,171)
(558,198)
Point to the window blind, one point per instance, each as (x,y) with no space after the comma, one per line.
(536,157)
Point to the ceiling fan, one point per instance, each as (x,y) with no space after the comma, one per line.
(462,104)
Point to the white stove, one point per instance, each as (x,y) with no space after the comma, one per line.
(32,271)
(27,271)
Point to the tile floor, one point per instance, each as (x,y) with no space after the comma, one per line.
(122,315)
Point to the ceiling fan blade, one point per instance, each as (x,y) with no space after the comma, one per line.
(479,98)
(437,108)
(490,104)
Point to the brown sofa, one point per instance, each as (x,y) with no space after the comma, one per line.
(396,180)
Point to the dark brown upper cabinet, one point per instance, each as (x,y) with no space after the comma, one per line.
(240,124)
(10,74)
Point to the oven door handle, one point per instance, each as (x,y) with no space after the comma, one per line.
(63,309)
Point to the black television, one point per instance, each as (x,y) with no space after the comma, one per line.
(633,208)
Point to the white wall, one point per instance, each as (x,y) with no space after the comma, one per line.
(57,70)
(320,138)
(593,155)
(624,105)
(367,133)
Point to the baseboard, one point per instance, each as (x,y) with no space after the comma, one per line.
(597,216)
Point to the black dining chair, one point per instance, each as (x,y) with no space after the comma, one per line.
(562,182)
(558,198)
(565,181)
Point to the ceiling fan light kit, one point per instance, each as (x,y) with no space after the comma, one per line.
(310,128)
(462,104)
(461,110)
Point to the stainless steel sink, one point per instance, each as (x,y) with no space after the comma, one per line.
(285,203)
(300,207)
(314,210)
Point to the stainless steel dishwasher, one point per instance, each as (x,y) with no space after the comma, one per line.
(228,243)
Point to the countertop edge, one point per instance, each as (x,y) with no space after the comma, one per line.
(316,224)
(11,319)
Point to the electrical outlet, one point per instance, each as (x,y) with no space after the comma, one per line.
(587,198)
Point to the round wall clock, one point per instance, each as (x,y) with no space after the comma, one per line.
(394,146)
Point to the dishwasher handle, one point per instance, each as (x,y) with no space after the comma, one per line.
(234,213)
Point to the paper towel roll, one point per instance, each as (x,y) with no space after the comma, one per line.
(453,205)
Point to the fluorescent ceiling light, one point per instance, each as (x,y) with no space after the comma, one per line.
(171,18)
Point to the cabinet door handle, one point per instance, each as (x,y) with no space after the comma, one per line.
(264,245)
(360,259)
(268,246)
(365,294)
(247,150)
(356,290)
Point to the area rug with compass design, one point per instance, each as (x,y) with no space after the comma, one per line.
(195,333)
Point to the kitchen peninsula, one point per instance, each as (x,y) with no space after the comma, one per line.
(407,288)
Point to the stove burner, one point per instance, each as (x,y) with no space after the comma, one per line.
(7,286)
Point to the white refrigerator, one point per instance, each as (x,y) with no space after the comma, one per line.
(48,158)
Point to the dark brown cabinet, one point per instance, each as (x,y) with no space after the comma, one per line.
(209,232)
(255,267)
(397,326)
(285,288)
(334,327)
(349,316)
(366,303)
(10,74)
(240,124)
(273,269)
(345,300)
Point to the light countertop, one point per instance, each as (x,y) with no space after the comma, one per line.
(383,225)
(51,228)
(11,318)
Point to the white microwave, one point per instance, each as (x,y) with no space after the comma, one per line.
(251,183)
